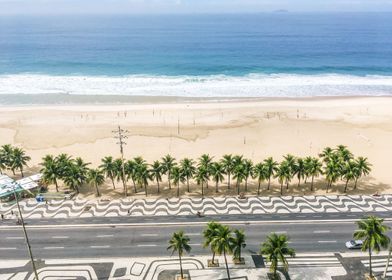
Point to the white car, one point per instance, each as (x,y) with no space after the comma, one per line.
(354,244)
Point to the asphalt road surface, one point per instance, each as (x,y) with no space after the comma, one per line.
(148,236)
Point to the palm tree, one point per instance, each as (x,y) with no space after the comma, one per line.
(276,248)
(177,177)
(247,166)
(143,174)
(109,168)
(344,153)
(95,177)
(348,172)
(50,171)
(130,167)
(168,162)
(19,159)
(179,243)
(238,243)
(228,165)
(217,171)
(313,168)
(209,233)
(72,177)
(3,161)
(283,174)
(259,173)
(363,168)
(271,167)
(120,172)
(82,169)
(156,172)
(332,171)
(63,161)
(6,157)
(201,177)
(205,161)
(238,175)
(188,169)
(222,243)
(326,154)
(290,161)
(373,233)
(299,170)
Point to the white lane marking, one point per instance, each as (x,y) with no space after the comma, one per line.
(194,244)
(60,237)
(280,232)
(105,235)
(8,248)
(149,234)
(14,237)
(146,245)
(327,241)
(321,231)
(100,246)
(193,234)
(53,248)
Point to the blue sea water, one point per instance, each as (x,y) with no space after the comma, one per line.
(277,54)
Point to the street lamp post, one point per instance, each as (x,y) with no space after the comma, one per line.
(25,235)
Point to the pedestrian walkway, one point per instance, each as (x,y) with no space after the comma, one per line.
(209,206)
(378,266)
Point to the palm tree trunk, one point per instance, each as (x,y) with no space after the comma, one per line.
(238,188)
(145,189)
(287,184)
(281,188)
(370,262)
(13,171)
(258,188)
(216,187)
(213,256)
(246,184)
(134,185)
(182,274)
(168,178)
(227,267)
(345,187)
(328,185)
(202,189)
(158,184)
(269,183)
(228,185)
(311,186)
(96,187)
(187,182)
(355,184)
(57,186)
(111,178)
(299,182)
(21,172)
(178,189)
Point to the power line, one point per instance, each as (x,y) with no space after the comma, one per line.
(120,135)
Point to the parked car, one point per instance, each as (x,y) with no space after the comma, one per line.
(354,244)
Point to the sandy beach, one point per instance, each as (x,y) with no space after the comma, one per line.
(253,128)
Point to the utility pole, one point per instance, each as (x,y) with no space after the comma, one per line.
(387,264)
(120,136)
(25,235)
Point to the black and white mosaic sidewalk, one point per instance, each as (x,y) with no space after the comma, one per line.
(209,206)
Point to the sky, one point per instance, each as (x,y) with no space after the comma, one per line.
(27,7)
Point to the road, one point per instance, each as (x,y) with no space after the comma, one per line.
(148,236)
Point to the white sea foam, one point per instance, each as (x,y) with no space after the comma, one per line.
(253,85)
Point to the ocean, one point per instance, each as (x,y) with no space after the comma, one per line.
(252,55)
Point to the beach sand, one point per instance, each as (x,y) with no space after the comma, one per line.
(253,128)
